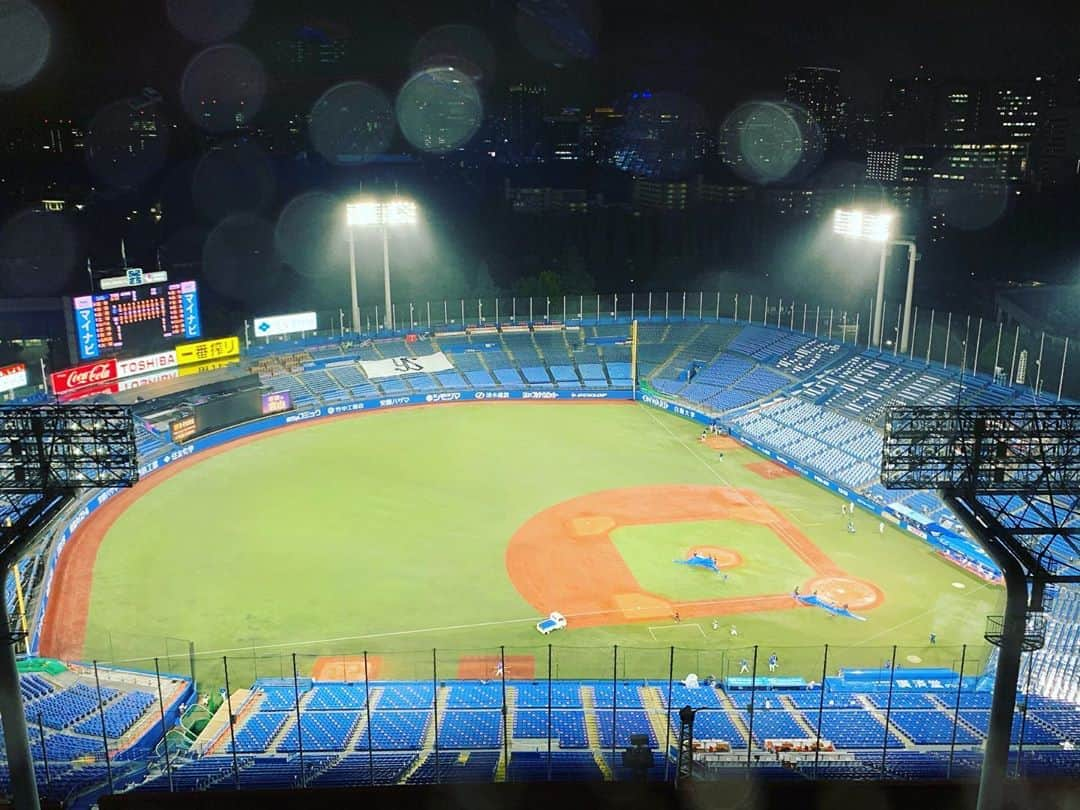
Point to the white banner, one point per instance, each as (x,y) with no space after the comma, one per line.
(284,324)
(133,366)
(400,366)
(12,377)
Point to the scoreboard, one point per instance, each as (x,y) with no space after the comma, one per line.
(136,320)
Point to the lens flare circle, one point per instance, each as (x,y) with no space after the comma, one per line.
(310,234)
(233,178)
(461,47)
(557,31)
(239,257)
(25,40)
(351,123)
(223,88)
(127,142)
(206,21)
(769,142)
(439,110)
(38,252)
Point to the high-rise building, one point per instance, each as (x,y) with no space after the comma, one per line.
(817,90)
(563,135)
(599,133)
(525,122)
(958,112)
(860,129)
(668,195)
(705,144)
(976,164)
(1010,112)
(1056,147)
(917,164)
(907,115)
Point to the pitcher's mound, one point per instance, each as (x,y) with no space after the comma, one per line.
(590,526)
(725,557)
(857,594)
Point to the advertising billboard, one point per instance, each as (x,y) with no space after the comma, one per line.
(285,324)
(12,377)
(218,349)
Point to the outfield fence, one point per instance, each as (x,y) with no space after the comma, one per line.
(1015,355)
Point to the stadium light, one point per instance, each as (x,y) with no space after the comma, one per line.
(871,226)
(382,214)
(855,224)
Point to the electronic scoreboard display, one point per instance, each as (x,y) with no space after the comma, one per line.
(136,320)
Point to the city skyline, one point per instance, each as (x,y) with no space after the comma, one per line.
(611,133)
(716,55)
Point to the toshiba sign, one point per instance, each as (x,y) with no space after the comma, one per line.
(134,366)
(81,376)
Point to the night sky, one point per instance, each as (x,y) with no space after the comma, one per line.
(717,52)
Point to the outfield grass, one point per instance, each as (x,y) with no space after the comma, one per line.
(387,533)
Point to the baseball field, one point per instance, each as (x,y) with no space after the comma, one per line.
(434,538)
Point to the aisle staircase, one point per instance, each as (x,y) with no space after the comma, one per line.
(276,740)
(358,730)
(243,712)
(427,744)
(659,370)
(793,710)
(735,716)
(658,717)
(879,715)
(592,732)
(508,727)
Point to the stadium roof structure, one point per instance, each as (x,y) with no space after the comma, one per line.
(47,453)
(1012,475)
(1017,470)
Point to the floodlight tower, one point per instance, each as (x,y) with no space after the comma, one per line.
(383,214)
(876,227)
(47,454)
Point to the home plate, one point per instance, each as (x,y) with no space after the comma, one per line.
(914,659)
(959,585)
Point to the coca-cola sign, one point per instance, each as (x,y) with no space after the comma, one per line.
(70,379)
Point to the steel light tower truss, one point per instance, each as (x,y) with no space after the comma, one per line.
(1017,471)
(1012,475)
(47,454)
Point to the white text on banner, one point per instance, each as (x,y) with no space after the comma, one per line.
(400,366)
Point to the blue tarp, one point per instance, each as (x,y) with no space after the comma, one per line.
(836,610)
